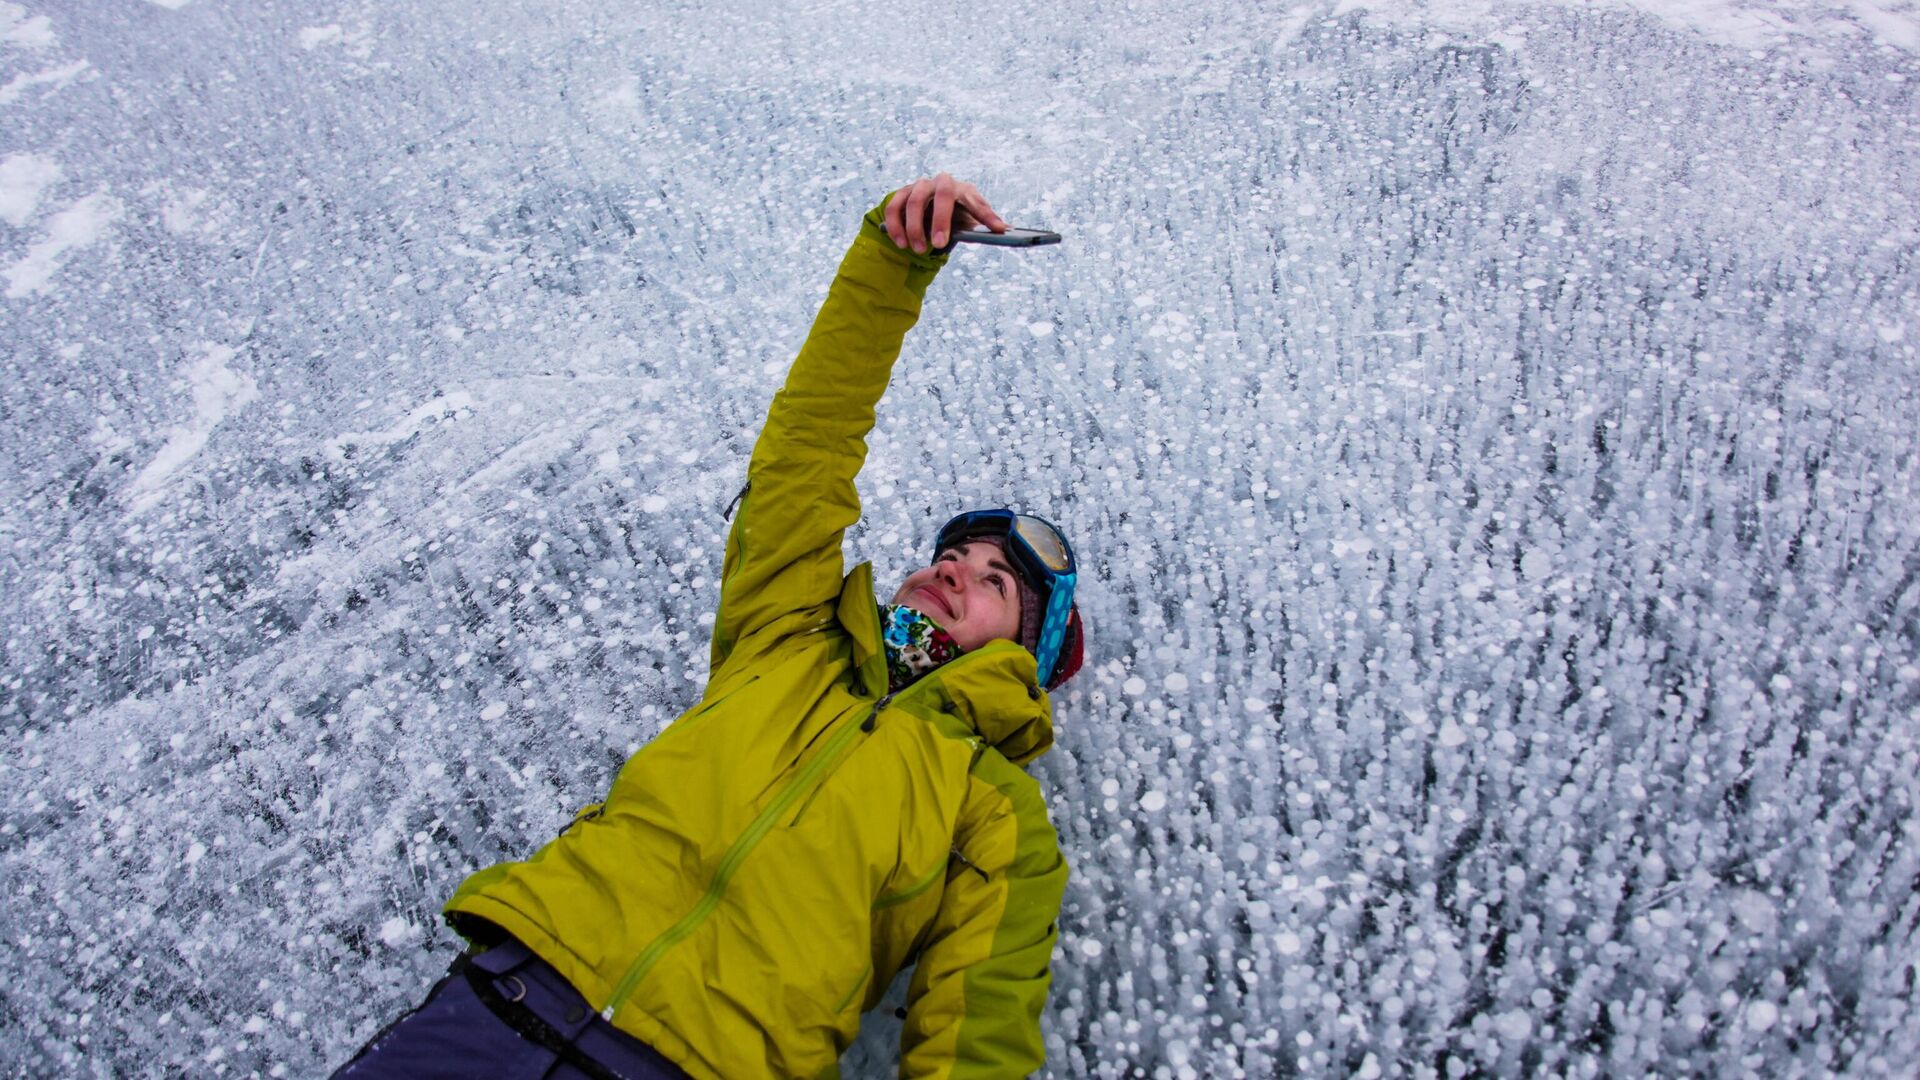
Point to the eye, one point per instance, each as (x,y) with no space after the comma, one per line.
(999,583)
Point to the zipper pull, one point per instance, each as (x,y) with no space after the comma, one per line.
(874,716)
(969,864)
(728,513)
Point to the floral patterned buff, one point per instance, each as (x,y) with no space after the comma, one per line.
(915,645)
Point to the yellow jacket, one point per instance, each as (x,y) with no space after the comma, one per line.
(761,871)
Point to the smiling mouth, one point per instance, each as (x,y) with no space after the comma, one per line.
(938,601)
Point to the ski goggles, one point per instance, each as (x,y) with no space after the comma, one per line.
(1044,559)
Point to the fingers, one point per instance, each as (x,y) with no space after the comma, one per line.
(905,213)
(922,214)
(944,189)
(916,214)
(895,218)
(976,205)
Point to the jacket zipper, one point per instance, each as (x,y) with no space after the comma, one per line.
(737,854)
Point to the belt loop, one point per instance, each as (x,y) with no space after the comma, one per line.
(504,957)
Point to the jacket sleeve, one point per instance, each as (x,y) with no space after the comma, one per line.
(981,982)
(783,553)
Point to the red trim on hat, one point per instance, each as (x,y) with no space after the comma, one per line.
(1072,651)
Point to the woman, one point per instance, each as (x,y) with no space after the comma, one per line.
(846,799)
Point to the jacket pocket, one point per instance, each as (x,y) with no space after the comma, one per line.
(807,802)
(913,889)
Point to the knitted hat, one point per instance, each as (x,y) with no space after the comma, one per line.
(1072,651)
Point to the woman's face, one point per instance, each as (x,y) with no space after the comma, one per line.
(971,591)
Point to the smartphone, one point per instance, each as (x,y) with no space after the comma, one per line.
(1011,238)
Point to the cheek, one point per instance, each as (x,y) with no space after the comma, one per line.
(987,622)
(914,581)
(1008,619)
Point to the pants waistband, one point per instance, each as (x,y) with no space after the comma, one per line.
(521,987)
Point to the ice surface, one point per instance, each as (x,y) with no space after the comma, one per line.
(22,178)
(1489,430)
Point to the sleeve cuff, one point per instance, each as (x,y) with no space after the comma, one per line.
(874,226)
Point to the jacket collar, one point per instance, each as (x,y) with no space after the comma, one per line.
(994,690)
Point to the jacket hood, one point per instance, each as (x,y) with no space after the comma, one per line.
(995,689)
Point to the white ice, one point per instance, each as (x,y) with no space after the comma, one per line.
(1488,429)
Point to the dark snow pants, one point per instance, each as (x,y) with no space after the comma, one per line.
(504,1013)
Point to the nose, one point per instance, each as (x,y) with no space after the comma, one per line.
(949,573)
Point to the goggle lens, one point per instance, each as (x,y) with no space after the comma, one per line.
(1045,543)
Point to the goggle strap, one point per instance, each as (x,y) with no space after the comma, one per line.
(1053,627)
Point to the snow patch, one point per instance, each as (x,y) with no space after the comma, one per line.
(453,405)
(78,226)
(356,42)
(1896,24)
(622,98)
(218,393)
(313,37)
(54,77)
(182,214)
(23,178)
(23,31)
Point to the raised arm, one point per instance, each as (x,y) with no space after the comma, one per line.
(783,554)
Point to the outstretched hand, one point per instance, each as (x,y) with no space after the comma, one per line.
(936,208)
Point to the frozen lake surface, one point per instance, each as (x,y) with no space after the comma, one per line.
(1491,430)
